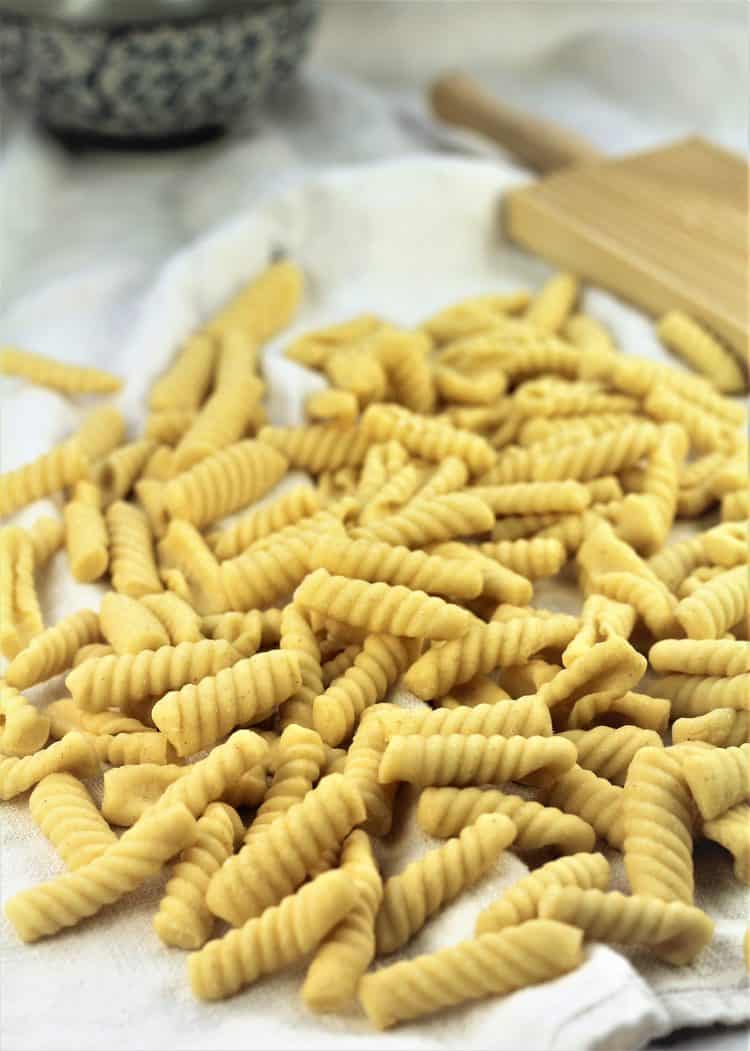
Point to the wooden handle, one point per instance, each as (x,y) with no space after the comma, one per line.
(541,145)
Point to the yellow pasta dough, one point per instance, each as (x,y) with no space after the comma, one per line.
(53,651)
(132,563)
(23,728)
(718,778)
(299,758)
(20,613)
(591,798)
(129,626)
(299,503)
(717,606)
(73,753)
(64,465)
(699,348)
(67,815)
(731,830)
(57,375)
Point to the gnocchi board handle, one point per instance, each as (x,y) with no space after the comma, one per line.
(541,145)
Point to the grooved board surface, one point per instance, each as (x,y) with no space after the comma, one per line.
(663,229)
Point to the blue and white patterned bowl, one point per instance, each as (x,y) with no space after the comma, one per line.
(151,79)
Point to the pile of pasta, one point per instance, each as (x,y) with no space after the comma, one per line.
(236,682)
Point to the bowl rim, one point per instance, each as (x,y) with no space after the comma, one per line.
(99,13)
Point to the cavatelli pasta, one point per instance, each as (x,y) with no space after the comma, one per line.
(262,576)
(275,864)
(53,651)
(706,432)
(132,562)
(526,717)
(183,918)
(20,613)
(73,753)
(64,465)
(444,812)
(57,375)
(473,316)
(179,620)
(298,760)
(65,715)
(318,447)
(118,473)
(692,695)
(262,307)
(357,370)
(332,406)
(494,964)
(696,657)
(639,709)
(611,667)
(380,607)
(128,626)
(67,815)
(731,830)
(168,426)
(47,535)
(299,503)
(609,752)
(217,776)
(432,519)
(717,606)
(551,307)
(185,384)
(101,431)
(224,482)
(431,439)
(183,547)
(121,681)
(403,355)
(86,534)
(601,618)
(587,333)
(530,558)
(591,798)
(297,636)
(718,778)
(448,476)
(361,769)
(691,341)
(23,728)
(475,388)
(722,727)
(222,420)
(644,519)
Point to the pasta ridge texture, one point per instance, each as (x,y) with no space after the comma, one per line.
(67,815)
(53,650)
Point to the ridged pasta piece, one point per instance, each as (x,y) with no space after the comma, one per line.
(474,315)
(731,830)
(609,752)
(63,465)
(67,815)
(121,681)
(735,506)
(706,432)
(551,432)
(57,375)
(275,864)
(23,728)
(717,606)
(199,712)
(347,951)
(491,965)
(424,887)
(449,476)
(169,425)
(184,547)
(658,817)
(718,778)
(217,775)
(482,649)
(313,348)
(692,695)
(403,355)
(86,534)
(551,307)
(332,405)
(382,607)
(428,438)
(644,519)
(129,791)
(47,535)
(183,918)
(722,727)
(523,679)
(128,626)
(361,769)
(53,651)
(50,907)
(382,660)
(697,579)
(591,798)
(262,307)
(526,717)
(396,492)
(601,618)
(477,691)
(476,388)
(547,397)
(186,382)
(432,519)
(694,344)
(160,466)
(318,447)
(131,749)
(357,370)
(150,496)
(282,935)
(530,558)
(243,630)
(298,759)
(673,931)
(443,812)
(695,657)
(610,667)
(65,715)
(587,333)
(260,577)
(473,759)
(498,583)
(102,430)
(91,651)
(132,562)
(603,709)
(727,545)
(298,637)
(118,473)
(224,482)
(73,753)
(223,419)
(20,613)
(179,620)
(299,503)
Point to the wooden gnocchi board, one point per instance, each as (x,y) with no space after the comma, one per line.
(663,229)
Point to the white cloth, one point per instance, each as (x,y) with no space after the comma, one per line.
(401,239)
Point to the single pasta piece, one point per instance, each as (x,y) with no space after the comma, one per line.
(67,815)
(731,830)
(482,649)
(706,432)
(727,545)
(297,636)
(404,356)
(382,660)
(429,520)
(297,504)
(50,907)
(276,863)
(299,758)
(160,466)
(313,348)
(53,651)
(118,473)
(609,667)
(179,620)
(183,546)
(658,818)
(132,563)
(183,918)
(587,333)
(318,447)
(213,777)
(722,727)
(73,753)
(674,932)
(57,375)
(168,426)
(482,388)
(129,791)
(523,679)
(554,398)
(121,681)
(224,482)
(520,902)
(601,618)
(129,626)
(609,752)
(222,420)
(347,951)
(491,965)
(243,630)
(526,717)
(692,695)
(86,534)
(475,315)
(282,935)
(477,691)
(20,613)
(396,492)
(498,582)
(473,759)
(91,651)
(448,476)
(150,496)
(424,887)
(382,607)
(64,465)
(65,715)
(263,306)
(602,709)
(644,519)
(717,606)
(444,812)
(429,438)
(264,575)
(694,657)
(332,406)
(130,749)
(674,563)
(361,769)
(185,383)
(23,728)
(102,430)
(691,341)
(358,371)
(593,799)
(718,778)
(530,558)
(550,308)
